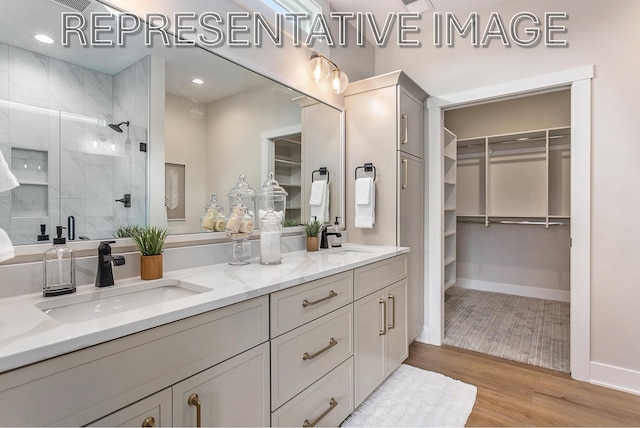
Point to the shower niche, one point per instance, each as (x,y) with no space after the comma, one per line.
(31,199)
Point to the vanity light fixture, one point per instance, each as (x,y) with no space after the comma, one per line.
(197,81)
(321,69)
(43,38)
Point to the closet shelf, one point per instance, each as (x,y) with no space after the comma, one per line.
(286,162)
(449,284)
(449,260)
(448,234)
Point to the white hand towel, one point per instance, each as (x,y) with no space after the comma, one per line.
(366,213)
(6,247)
(317,192)
(363,190)
(7,180)
(320,211)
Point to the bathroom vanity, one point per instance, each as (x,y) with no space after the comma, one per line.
(301,343)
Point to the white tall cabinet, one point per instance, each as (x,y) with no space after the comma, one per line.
(384,125)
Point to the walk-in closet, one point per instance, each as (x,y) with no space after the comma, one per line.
(507,228)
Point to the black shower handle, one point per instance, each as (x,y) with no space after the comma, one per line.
(126,200)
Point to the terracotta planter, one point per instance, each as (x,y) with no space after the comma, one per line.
(151,267)
(313,242)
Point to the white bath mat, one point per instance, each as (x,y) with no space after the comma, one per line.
(412,397)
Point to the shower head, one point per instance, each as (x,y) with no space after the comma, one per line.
(117,127)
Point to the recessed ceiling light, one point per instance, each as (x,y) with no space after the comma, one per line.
(43,38)
(198,81)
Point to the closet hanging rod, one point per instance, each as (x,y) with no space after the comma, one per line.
(480,141)
(517,222)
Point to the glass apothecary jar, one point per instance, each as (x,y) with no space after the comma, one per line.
(270,233)
(271,196)
(238,228)
(213,219)
(243,191)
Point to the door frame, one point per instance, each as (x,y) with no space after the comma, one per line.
(579,81)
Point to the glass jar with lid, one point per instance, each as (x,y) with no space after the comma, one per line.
(245,193)
(238,228)
(272,196)
(270,233)
(213,219)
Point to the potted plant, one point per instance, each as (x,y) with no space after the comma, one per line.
(150,242)
(312,229)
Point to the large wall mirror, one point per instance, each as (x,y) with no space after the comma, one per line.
(75,128)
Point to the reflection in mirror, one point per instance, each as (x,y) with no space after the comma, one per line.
(56,104)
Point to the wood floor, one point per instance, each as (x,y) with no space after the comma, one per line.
(515,394)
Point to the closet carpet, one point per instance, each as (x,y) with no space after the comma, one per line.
(523,329)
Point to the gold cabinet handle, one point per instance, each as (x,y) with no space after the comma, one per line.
(195,401)
(384,317)
(405,162)
(149,422)
(332,404)
(405,139)
(306,303)
(393,317)
(332,343)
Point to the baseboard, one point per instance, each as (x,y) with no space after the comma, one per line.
(516,290)
(615,378)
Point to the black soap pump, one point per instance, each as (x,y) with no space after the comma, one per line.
(59,268)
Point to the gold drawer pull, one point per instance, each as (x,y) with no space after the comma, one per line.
(332,343)
(384,317)
(306,303)
(332,404)
(149,422)
(393,317)
(195,401)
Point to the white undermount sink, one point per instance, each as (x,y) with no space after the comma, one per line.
(349,250)
(102,302)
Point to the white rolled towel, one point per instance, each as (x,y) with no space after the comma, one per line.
(6,247)
(8,181)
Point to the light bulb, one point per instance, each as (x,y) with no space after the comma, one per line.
(95,143)
(339,81)
(319,68)
(113,147)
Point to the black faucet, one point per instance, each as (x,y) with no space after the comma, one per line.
(324,242)
(104,275)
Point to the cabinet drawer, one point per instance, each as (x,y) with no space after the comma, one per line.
(154,411)
(128,369)
(374,277)
(307,353)
(314,401)
(288,307)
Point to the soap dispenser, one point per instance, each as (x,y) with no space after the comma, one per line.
(335,240)
(59,268)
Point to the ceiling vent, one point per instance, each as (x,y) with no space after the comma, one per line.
(417,5)
(77,5)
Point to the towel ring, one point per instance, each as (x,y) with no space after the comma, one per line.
(322,171)
(368,167)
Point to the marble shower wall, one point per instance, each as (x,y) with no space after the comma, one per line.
(52,123)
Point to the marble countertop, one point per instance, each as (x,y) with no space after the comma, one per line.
(28,335)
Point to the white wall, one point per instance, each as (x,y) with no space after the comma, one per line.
(185,143)
(234,125)
(608,37)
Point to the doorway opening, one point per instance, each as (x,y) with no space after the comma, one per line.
(579,82)
(507,253)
